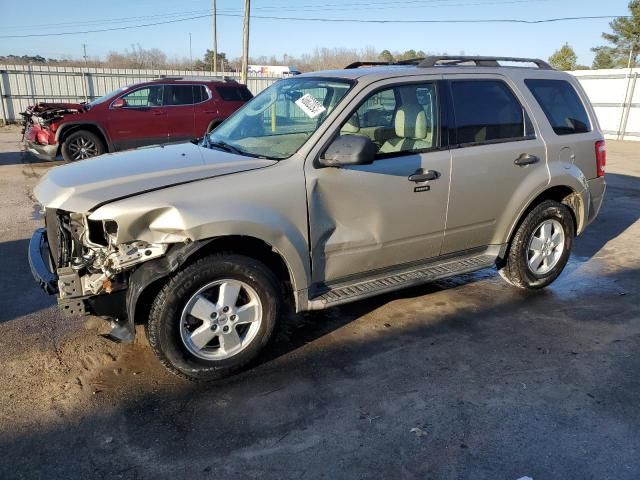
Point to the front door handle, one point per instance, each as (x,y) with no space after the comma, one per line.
(421,176)
(158,112)
(526,159)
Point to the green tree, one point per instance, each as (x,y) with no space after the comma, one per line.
(409,54)
(207,63)
(564,58)
(604,58)
(386,56)
(624,37)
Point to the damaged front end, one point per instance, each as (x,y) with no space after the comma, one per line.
(40,124)
(78,259)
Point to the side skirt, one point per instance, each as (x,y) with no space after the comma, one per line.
(406,276)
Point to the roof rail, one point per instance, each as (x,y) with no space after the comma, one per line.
(364,64)
(409,61)
(193,78)
(450,60)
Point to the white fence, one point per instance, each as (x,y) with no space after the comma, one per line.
(615,95)
(24,85)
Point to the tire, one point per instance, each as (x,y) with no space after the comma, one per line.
(80,145)
(549,219)
(194,296)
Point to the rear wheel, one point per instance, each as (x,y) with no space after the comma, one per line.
(81,145)
(214,317)
(540,247)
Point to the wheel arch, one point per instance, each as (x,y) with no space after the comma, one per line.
(560,193)
(68,128)
(147,280)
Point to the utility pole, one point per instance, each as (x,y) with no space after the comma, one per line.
(190,54)
(245,41)
(84,49)
(215,41)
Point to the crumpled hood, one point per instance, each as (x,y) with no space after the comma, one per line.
(81,186)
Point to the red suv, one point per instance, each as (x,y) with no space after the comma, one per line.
(150,113)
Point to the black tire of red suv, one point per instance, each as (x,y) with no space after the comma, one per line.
(80,145)
(515,269)
(166,315)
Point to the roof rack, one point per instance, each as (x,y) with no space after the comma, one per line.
(193,78)
(451,60)
(409,61)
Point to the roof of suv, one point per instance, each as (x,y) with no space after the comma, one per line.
(436,64)
(203,80)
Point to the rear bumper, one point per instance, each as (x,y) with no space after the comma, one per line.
(39,261)
(597,187)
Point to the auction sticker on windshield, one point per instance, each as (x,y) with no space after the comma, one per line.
(310,106)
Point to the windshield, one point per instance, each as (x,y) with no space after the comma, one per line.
(277,122)
(106,97)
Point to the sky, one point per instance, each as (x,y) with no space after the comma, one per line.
(295,37)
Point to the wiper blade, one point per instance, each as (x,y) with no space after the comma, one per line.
(230,148)
(226,147)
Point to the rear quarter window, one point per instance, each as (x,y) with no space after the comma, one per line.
(561,105)
(234,94)
(487,111)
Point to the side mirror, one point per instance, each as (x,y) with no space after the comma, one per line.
(119,103)
(349,150)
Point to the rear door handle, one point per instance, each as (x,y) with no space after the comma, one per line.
(526,159)
(421,176)
(158,112)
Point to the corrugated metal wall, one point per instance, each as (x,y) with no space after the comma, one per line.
(615,95)
(24,85)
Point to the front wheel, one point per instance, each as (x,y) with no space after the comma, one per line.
(81,145)
(540,247)
(213,318)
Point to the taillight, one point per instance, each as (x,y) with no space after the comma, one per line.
(601,157)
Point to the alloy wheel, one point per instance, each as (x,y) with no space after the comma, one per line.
(81,148)
(546,246)
(221,319)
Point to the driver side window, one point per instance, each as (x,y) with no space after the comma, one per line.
(402,119)
(144,97)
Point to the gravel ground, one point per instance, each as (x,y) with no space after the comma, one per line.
(462,379)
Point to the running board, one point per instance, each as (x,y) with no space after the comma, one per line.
(388,282)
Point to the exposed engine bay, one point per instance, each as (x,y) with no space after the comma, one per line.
(86,258)
(41,121)
(45,113)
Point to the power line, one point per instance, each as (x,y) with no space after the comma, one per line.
(392,5)
(324,20)
(294,8)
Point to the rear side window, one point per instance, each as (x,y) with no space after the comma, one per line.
(178,95)
(562,106)
(487,111)
(234,94)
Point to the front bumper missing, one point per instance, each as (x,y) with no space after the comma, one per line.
(42,152)
(67,288)
(40,262)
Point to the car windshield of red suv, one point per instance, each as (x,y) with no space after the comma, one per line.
(277,122)
(106,97)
